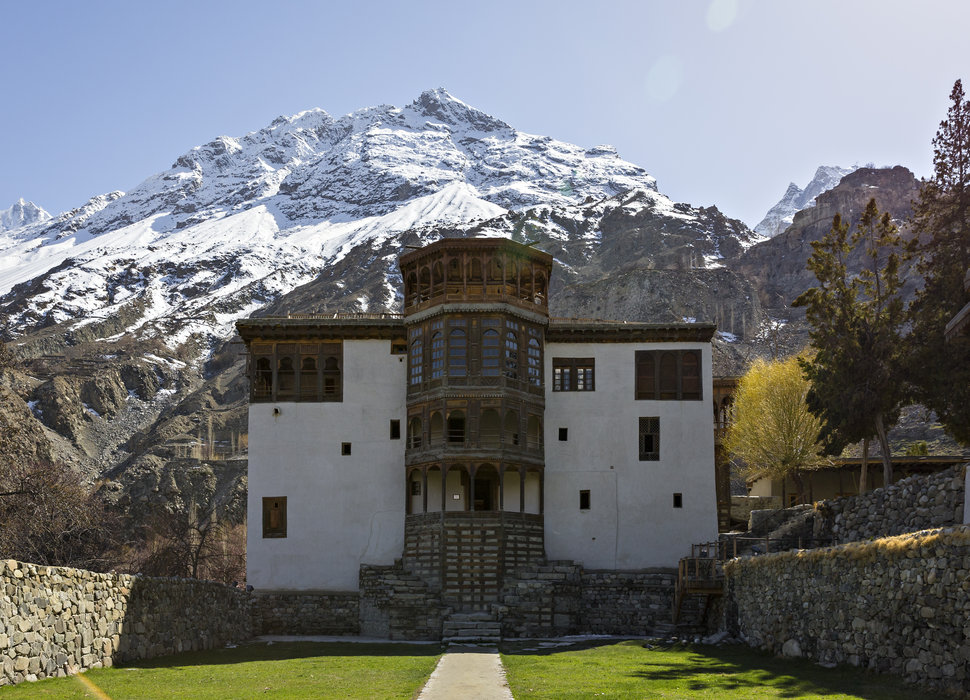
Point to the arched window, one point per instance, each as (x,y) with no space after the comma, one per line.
(263,384)
(475,271)
(286,376)
(424,286)
(417,361)
(489,430)
(308,378)
(690,376)
(331,376)
(511,349)
(457,352)
(646,387)
(456,427)
(668,375)
(540,288)
(414,432)
(454,276)
(490,353)
(437,279)
(535,358)
(534,432)
(511,431)
(437,355)
(436,433)
(410,289)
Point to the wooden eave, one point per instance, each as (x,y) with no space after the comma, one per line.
(563,330)
(384,327)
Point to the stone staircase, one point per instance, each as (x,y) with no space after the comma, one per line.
(471,627)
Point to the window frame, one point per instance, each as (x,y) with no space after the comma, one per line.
(567,373)
(649,426)
(278,532)
(659,375)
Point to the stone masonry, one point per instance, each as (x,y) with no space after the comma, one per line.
(57,620)
(899,605)
(914,503)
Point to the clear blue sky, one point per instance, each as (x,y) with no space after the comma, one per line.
(723,102)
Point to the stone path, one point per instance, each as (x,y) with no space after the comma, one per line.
(468,673)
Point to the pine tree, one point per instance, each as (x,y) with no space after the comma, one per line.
(856,330)
(940,370)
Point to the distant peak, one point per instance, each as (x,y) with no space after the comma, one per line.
(441,104)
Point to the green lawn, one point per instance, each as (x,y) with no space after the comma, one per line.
(280,670)
(637,669)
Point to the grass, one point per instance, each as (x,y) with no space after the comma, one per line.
(636,669)
(280,670)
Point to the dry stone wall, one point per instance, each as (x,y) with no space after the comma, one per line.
(57,620)
(898,605)
(915,503)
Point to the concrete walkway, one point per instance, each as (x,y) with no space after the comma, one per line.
(468,673)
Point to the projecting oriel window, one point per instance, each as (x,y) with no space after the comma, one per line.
(573,374)
(274,516)
(649,439)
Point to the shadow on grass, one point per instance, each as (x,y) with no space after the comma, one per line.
(249,652)
(739,669)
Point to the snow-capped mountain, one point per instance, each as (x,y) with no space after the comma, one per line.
(121,311)
(21,213)
(780,216)
(238,222)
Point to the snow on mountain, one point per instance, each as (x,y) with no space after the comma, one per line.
(238,222)
(20,214)
(780,216)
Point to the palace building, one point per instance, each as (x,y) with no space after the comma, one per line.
(473,435)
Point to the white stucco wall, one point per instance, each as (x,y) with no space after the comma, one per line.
(631,523)
(341,510)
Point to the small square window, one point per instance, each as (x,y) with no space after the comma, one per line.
(274,516)
(563,434)
(345,448)
(395,429)
(584,500)
(678,500)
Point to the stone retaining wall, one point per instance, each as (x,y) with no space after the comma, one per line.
(306,612)
(397,605)
(561,598)
(915,503)
(56,620)
(898,605)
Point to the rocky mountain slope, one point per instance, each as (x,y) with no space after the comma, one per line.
(781,216)
(121,311)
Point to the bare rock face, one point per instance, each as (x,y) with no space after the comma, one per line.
(60,406)
(777,267)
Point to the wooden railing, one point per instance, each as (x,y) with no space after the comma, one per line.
(702,573)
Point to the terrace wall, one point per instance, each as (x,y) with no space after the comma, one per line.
(56,620)
(898,604)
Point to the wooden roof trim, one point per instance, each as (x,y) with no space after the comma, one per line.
(588,331)
(280,328)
